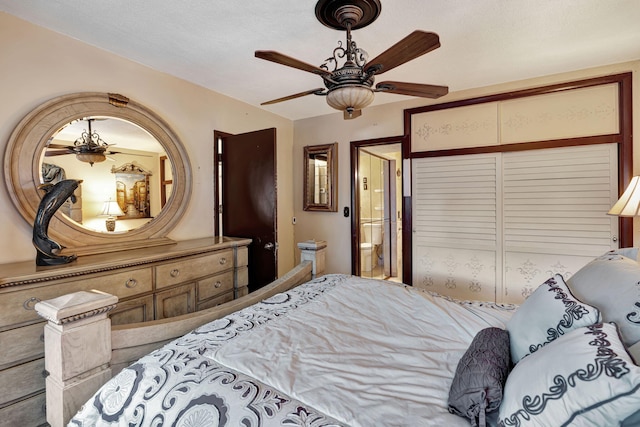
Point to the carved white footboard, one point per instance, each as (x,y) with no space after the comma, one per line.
(83,350)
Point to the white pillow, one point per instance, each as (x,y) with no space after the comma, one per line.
(549,312)
(583,378)
(634,351)
(611,282)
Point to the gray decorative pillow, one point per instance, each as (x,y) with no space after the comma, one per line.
(611,282)
(549,312)
(480,376)
(585,377)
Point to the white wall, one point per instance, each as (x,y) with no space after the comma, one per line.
(385,121)
(38,65)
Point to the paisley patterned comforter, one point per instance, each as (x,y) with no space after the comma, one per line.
(336,351)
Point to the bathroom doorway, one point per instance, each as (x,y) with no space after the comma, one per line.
(377,209)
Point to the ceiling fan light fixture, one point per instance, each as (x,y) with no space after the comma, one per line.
(91,158)
(349,74)
(350,98)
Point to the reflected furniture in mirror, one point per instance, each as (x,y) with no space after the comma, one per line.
(153,276)
(321,177)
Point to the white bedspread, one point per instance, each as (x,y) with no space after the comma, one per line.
(365,360)
(337,351)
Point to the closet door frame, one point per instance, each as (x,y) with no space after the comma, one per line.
(623,138)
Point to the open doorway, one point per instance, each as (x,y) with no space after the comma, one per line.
(377,209)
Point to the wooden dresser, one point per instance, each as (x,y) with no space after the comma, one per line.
(150,283)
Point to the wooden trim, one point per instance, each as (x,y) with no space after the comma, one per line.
(164,182)
(524,146)
(625,153)
(355,200)
(504,96)
(216,185)
(624,139)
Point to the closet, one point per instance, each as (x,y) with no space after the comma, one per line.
(510,189)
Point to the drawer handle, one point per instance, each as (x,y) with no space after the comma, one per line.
(45,373)
(217,284)
(131,283)
(175,272)
(31,303)
(223,261)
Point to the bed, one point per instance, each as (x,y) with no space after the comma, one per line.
(341,350)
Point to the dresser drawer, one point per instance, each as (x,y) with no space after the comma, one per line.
(176,301)
(27,412)
(215,285)
(21,344)
(133,311)
(213,302)
(193,268)
(18,306)
(21,380)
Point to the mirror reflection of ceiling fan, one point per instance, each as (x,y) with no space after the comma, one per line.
(350,87)
(89,147)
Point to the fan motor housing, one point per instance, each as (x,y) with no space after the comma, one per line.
(337,13)
(348,75)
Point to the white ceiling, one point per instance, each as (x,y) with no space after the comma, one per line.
(212,42)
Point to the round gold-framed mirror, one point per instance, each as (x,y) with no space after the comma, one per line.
(35,132)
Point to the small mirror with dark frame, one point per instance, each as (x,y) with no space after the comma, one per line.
(321,177)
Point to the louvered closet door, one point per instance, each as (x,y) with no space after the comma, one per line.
(455,225)
(495,226)
(555,205)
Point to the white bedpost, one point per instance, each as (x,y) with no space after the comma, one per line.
(77,350)
(314,251)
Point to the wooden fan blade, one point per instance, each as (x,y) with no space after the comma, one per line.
(51,153)
(412,89)
(354,114)
(414,45)
(60,146)
(127,154)
(282,59)
(318,91)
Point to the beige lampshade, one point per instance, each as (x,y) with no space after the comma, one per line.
(629,202)
(111,208)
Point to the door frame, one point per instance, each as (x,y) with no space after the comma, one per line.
(355,200)
(217,159)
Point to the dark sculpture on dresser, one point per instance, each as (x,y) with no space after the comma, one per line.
(55,196)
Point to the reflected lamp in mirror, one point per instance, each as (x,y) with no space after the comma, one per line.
(321,177)
(629,203)
(111,210)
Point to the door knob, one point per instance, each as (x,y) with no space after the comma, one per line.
(269,246)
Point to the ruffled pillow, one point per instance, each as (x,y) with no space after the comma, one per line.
(551,311)
(585,377)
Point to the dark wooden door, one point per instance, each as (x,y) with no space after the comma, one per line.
(249,199)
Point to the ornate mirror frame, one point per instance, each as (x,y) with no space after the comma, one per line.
(22,170)
(329,153)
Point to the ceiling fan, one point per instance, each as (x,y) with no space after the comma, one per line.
(89,147)
(350,87)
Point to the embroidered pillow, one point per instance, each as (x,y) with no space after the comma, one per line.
(585,378)
(480,376)
(612,283)
(549,312)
